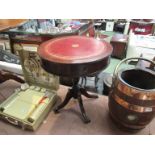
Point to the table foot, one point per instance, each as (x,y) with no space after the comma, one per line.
(85,93)
(86,120)
(56,111)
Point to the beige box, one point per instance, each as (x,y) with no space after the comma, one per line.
(30,104)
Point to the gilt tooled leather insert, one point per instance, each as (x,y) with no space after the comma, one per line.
(74,49)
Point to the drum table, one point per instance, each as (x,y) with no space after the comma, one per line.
(75,57)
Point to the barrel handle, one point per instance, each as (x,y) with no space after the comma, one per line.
(124,60)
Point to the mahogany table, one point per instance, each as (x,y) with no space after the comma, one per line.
(75,56)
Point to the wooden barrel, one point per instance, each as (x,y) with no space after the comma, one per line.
(132,97)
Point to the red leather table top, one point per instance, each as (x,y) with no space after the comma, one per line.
(74,56)
(74,49)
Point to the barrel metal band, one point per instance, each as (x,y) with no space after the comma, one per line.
(135,93)
(134,100)
(132,107)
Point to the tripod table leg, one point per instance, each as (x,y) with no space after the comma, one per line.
(85,118)
(84,92)
(66,100)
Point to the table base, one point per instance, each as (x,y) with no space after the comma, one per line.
(76,91)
